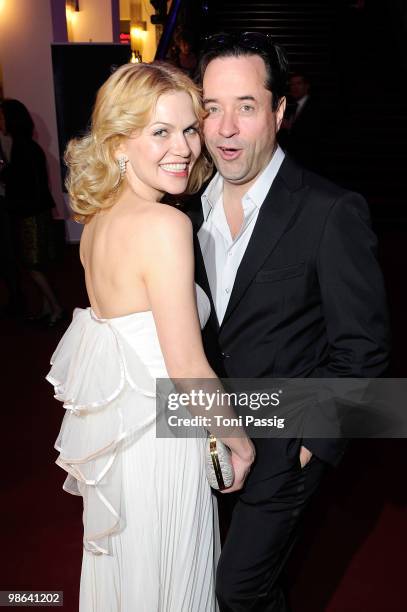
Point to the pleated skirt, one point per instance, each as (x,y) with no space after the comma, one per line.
(164,558)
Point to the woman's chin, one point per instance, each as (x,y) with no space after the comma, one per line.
(176,190)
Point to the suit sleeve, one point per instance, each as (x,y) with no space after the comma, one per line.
(353,301)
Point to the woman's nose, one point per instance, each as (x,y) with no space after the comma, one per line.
(181,146)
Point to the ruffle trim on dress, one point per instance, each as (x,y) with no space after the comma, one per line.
(90,365)
(110,397)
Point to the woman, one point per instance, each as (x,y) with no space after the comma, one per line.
(29,202)
(149,532)
(9,268)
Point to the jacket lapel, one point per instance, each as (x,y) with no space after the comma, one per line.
(275,214)
(196,215)
(194,212)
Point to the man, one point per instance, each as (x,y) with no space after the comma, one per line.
(304,123)
(289,263)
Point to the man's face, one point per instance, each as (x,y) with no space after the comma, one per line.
(241,127)
(298,87)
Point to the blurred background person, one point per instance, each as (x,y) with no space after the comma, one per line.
(183,54)
(9,270)
(301,129)
(28,202)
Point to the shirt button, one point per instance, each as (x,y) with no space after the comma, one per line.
(227,290)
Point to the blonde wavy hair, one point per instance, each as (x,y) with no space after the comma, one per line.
(124,104)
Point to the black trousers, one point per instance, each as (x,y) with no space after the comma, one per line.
(259,541)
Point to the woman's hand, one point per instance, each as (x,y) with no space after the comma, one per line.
(242,464)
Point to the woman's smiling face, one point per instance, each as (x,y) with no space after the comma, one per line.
(163,153)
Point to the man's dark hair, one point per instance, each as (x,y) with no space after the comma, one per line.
(303,75)
(249,43)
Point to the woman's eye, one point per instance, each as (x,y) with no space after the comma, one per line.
(191,130)
(161,132)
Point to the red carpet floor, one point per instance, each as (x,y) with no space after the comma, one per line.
(351,557)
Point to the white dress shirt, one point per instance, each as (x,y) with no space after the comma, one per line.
(300,106)
(221,253)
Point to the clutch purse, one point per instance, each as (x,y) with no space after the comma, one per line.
(219,468)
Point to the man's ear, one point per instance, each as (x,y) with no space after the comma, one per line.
(280,111)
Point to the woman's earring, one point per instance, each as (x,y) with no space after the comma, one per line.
(122,161)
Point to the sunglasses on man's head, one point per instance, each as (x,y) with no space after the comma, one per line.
(255,41)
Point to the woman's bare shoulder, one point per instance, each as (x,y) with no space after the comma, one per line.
(166,214)
(148,229)
(153,215)
(159,220)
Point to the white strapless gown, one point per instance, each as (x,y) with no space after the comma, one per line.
(151,537)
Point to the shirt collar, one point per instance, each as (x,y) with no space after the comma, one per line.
(301,102)
(211,195)
(257,192)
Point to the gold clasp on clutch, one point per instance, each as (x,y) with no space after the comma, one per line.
(215,462)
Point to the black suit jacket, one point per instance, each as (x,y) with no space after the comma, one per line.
(308,299)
